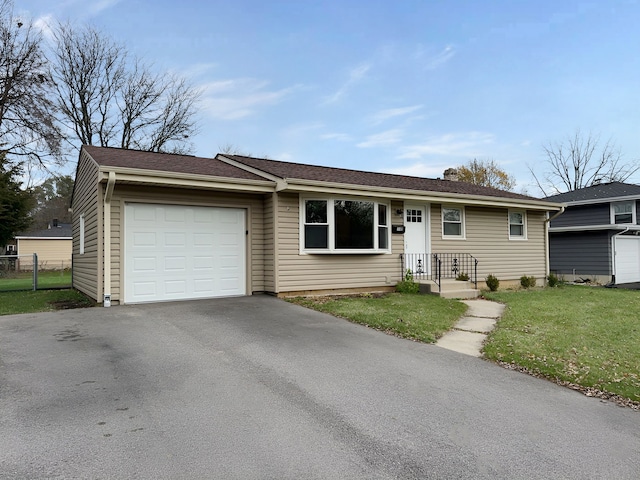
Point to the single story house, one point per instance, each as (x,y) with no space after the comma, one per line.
(152,227)
(53,245)
(598,236)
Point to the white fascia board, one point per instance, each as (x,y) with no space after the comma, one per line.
(176,179)
(310,186)
(589,228)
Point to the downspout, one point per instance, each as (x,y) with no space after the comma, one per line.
(613,253)
(546,239)
(107,238)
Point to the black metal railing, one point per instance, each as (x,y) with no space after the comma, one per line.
(439,266)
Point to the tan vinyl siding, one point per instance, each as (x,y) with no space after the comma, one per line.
(53,254)
(298,272)
(86,270)
(270,202)
(487,239)
(177,196)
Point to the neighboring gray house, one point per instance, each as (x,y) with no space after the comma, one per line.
(597,236)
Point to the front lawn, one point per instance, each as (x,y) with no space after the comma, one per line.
(584,336)
(42,301)
(417,317)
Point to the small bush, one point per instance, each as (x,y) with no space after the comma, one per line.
(553,280)
(527,282)
(492,282)
(463,277)
(408,285)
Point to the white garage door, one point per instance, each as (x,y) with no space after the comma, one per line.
(627,258)
(175,252)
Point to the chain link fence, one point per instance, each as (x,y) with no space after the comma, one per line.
(27,272)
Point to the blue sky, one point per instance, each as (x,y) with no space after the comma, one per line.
(410,87)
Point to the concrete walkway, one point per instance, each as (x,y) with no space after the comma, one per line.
(469,334)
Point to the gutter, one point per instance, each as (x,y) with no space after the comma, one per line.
(546,238)
(106,234)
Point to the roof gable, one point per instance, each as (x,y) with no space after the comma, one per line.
(603,191)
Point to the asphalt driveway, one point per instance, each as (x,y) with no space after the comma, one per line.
(254,387)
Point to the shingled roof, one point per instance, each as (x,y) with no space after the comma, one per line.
(62,230)
(602,191)
(289,170)
(265,169)
(166,162)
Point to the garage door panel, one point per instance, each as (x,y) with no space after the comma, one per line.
(175,264)
(178,240)
(627,259)
(178,252)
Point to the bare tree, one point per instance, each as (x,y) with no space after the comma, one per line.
(580,161)
(28,132)
(89,71)
(109,99)
(486,173)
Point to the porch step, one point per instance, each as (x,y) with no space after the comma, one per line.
(450,289)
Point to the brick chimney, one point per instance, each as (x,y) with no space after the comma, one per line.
(451,174)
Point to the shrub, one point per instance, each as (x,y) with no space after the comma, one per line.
(463,277)
(553,280)
(408,285)
(492,282)
(527,282)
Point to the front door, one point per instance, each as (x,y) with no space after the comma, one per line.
(416,222)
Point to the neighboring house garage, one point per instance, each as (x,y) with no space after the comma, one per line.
(176,252)
(627,258)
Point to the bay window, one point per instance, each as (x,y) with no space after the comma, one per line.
(344,226)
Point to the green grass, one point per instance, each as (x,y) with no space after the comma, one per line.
(580,335)
(41,301)
(46,279)
(417,317)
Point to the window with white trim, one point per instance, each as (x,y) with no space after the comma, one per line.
(81,234)
(452,222)
(517,225)
(344,225)
(623,213)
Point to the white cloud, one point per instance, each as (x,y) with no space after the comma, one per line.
(45,24)
(470,144)
(388,137)
(239,98)
(355,75)
(433,60)
(342,137)
(384,115)
(101,5)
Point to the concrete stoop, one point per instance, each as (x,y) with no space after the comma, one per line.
(450,289)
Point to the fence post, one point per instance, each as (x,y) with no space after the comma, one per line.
(35,271)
